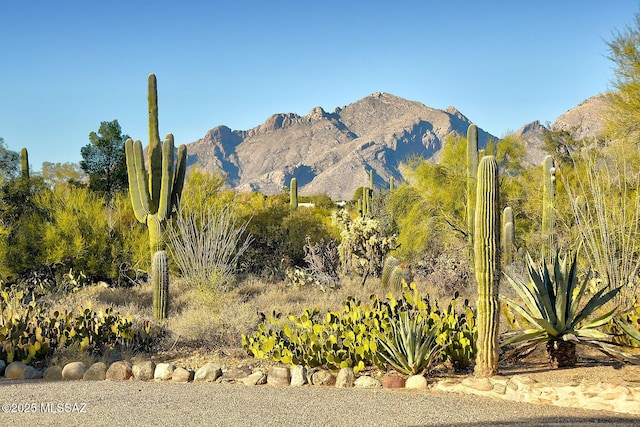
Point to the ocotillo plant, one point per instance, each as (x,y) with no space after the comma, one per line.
(548,211)
(508,235)
(472,168)
(487,266)
(155,195)
(293,194)
(24,164)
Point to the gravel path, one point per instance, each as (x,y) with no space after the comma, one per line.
(131,403)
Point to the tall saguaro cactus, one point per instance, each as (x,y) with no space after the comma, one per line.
(155,194)
(24,164)
(472,168)
(548,211)
(487,265)
(293,194)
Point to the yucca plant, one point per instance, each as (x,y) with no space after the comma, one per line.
(553,306)
(410,347)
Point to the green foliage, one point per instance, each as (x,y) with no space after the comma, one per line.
(472,170)
(552,305)
(103,159)
(349,337)
(80,233)
(431,208)
(363,245)
(60,174)
(30,332)
(623,119)
(9,161)
(279,235)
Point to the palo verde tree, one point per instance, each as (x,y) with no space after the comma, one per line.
(103,159)
(155,195)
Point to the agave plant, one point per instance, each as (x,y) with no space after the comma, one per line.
(553,306)
(410,347)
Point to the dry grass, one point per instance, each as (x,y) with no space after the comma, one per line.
(207,321)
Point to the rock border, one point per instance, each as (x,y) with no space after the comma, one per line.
(583,394)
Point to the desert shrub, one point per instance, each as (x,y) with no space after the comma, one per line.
(279,235)
(349,337)
(206,243)
(21,221)
(81,233)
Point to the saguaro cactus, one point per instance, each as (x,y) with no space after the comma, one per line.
(508,234)
(155,195)
(391,184)
(293,194)
(487,265)
(24,164)
(548,211)
(472,168)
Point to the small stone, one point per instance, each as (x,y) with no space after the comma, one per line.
(323,377)
(345,378)
(14,370)
(31,373)
(392,381)
(279,376)
(480,384)
(143,371)
(96,372)
(208,372)
(73,371)
(182,375)
(164,371)
(298,376)
(499,388)
(416,382)
(367,381)
(53,373)
(257,378)
(120,371)
(235,374)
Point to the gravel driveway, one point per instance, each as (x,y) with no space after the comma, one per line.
(131,403)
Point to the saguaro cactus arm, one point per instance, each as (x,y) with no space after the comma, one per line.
(137,180)
(166,188)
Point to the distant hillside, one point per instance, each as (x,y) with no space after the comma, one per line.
(583,121)
(333,152)
(329,153)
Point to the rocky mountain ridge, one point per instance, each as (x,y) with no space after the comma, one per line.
(332,152)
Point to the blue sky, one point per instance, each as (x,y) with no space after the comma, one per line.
(66,66)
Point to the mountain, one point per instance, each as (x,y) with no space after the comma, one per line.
(583,121)
(333,152)
(326,152)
